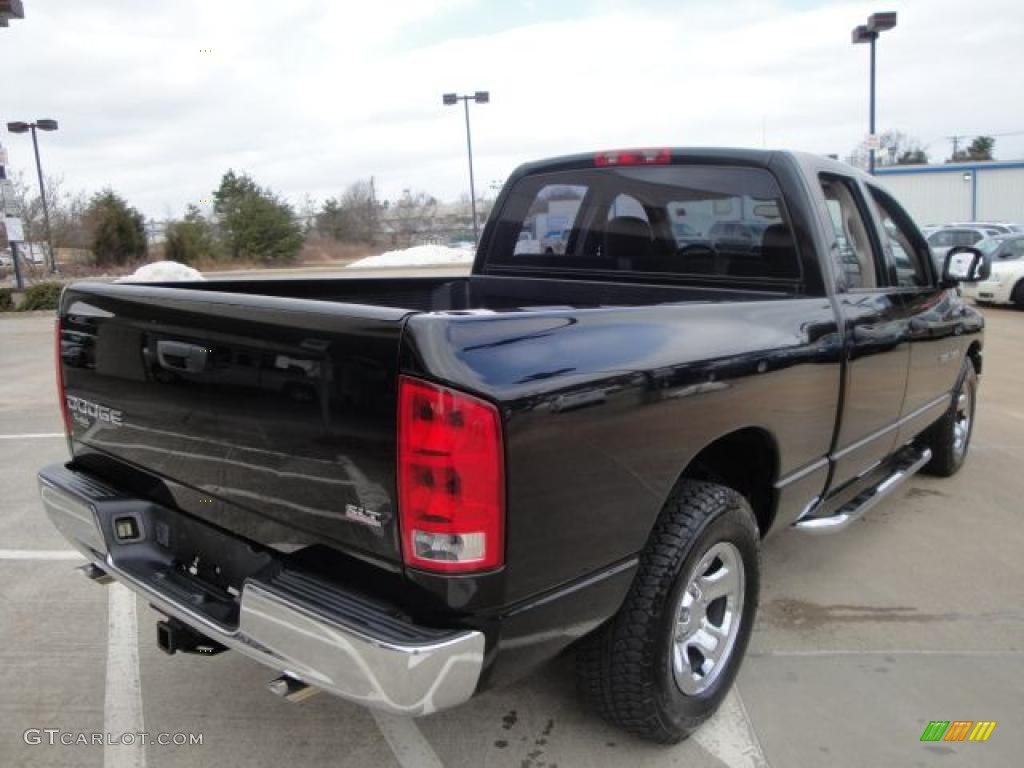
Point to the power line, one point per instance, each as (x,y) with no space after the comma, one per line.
(956,139)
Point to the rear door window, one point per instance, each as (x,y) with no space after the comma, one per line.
(852,252)
(724,224)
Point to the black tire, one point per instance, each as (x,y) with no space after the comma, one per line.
(1017,296)
(941,437)
(624,670)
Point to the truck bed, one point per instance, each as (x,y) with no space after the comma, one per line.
(446,294)
(268,408)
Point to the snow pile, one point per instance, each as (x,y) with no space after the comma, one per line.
(418,256)
(162,272)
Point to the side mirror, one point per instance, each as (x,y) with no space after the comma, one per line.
(965,264)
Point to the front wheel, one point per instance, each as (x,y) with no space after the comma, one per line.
(666,660)
(950,437)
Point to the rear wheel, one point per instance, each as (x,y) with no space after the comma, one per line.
(950,437)
(666,660)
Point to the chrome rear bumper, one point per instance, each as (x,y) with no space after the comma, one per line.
(402,668)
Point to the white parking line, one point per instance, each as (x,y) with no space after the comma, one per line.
(122,710)
(41,554)
(729,735)
(407,742)
(32,435)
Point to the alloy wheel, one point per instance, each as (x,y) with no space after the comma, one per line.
(708,618)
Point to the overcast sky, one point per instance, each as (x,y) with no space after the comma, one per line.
(309,95)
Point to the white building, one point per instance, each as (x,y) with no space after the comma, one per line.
(940,194)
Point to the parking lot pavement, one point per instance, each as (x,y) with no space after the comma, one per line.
(53,657)
(914,614)
(27,385)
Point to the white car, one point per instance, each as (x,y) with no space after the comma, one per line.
(526,245)
(1002,227)
(555,242)
(1006,283)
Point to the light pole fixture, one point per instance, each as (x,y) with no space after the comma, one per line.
(10,9)
(450,100)
(868,33)
(44,124)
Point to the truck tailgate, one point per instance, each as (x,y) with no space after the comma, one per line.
(270,417)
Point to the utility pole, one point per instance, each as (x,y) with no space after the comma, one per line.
(956,144)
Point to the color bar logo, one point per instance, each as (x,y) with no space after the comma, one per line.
(958,730)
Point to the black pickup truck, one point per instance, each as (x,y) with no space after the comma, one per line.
(403,491)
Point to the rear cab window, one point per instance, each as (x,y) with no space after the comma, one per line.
(709,223)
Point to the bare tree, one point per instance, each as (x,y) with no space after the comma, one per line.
(413,214)
(67,215)
(895,148)
(306,213)
(352,217)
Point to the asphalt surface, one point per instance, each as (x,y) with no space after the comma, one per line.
(913,614)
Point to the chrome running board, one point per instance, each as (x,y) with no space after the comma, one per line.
(867,499)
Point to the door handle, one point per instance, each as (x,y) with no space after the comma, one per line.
(181,356)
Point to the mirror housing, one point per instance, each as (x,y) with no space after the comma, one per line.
(965,264)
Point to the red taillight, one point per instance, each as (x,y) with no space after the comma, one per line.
(451,485)
(58,360)
(633,157)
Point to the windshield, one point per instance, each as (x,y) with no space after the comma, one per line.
(989,246)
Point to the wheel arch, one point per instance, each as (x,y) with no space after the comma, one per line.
(746,460)
(974,354)
(1017,291)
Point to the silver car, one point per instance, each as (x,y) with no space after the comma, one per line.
(948,237)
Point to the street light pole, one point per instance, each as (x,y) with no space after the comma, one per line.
(472,185)
(42,197)
(871,119)
(868,33)
(480,97)
(43,125)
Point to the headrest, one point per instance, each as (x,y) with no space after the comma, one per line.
(627,240)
